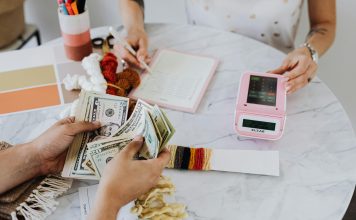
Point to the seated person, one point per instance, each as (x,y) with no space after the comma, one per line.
(124,179)
(273,22)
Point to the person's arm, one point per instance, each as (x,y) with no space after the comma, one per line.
(322,17)
(18,164)
(125,179)
(44,155)
(132,13)
(298,66)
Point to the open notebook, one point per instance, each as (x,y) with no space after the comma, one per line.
(178,80)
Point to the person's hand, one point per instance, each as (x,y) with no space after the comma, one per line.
(125,179)
(52,145)
(138,40)
(299,68)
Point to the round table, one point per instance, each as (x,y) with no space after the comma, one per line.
(317,151)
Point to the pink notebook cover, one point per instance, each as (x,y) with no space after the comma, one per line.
(172,106)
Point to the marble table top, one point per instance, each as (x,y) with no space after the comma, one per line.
(317,151)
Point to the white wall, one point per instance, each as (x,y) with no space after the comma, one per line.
(44,14)
(337,67)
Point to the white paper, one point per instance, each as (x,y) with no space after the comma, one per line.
(87,197)
(246,161)
(177,80)
(28,58)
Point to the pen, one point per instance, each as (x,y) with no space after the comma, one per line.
(126,45)
(69,9)
(81,6)
(63,9)
(74,7)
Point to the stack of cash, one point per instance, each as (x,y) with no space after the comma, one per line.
(91,151)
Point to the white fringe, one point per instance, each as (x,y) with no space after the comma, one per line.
(41,202)
(14,216)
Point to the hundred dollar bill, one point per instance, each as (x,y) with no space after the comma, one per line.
(164,126)
(151,122)
(140,123)
(111,111)
(171,128)
(103,152)
(110,140)
(87,164)
(97,145)
(155,121)
(152,142)
(135,124)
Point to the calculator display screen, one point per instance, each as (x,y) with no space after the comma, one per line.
(259,124)
(262,90)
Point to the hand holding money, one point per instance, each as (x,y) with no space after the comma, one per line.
(110,111)
(125,179)
(53,143)
(91,151)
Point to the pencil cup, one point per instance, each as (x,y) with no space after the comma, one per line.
(76,35)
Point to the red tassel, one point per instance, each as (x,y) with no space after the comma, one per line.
(108,67)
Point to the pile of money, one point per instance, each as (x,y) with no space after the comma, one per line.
(91,151)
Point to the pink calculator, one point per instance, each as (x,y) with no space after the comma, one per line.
(261,106)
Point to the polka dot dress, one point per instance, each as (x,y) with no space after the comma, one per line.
(273,22)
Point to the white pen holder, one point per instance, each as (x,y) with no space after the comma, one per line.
(76,35)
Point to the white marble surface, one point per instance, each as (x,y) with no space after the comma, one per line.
(317,151)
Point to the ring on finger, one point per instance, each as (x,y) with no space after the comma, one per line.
(123,64)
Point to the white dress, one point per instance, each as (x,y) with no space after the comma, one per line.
(274,22)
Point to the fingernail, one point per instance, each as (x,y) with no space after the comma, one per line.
(288,88)
(138,138)
(141,58)
(285,79)
(97,123)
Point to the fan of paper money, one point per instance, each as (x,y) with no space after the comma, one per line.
(91,151)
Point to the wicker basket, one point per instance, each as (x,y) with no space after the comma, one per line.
(12,22)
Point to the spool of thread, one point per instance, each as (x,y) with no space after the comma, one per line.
(189,158)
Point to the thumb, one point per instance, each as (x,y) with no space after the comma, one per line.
(164,157)
(142,50)
(81,126)
(133,147)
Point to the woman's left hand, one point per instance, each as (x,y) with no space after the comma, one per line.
(299,68)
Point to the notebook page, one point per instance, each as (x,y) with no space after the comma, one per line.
(177,81)
(87,197)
